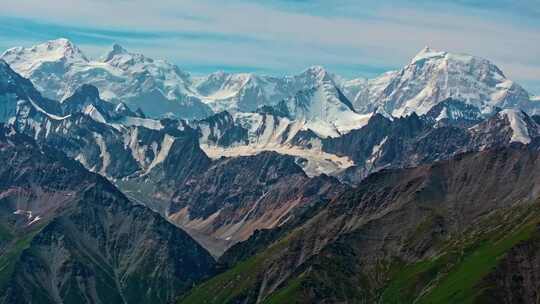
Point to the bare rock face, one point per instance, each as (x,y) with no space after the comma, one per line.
(69,235)
(234,197)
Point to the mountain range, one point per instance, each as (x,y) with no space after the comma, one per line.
(58,67)
(129,181)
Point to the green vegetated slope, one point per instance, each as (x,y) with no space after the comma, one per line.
(13,245)
(236,283)
(453,276)
(434,234)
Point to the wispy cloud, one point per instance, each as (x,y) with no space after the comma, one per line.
(355,38)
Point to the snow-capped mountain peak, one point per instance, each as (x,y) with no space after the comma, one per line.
(58,49)
(115,50)
(314,75)
(58,67)
(123,59)
(433,76)
(65,46)
(316,71)
(326,110)
(427,53)
(121,107)
(94,113)
(27,60)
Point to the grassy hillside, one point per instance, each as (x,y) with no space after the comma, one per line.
(453,276)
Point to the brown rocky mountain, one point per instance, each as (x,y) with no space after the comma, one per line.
(431,234)
(236,196)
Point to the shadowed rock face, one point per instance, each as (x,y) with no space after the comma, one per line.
(13,88)
(441,215)
(70,236)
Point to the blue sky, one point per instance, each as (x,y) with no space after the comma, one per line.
(349,37)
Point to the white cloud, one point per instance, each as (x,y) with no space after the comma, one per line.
(291,39)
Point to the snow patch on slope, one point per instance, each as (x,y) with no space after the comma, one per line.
(148,123)
(52,116)
(520,132)
(29,215)
(104,154)
(94,113)
(375,153)
(163,152)
(318,162)
(272,133)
